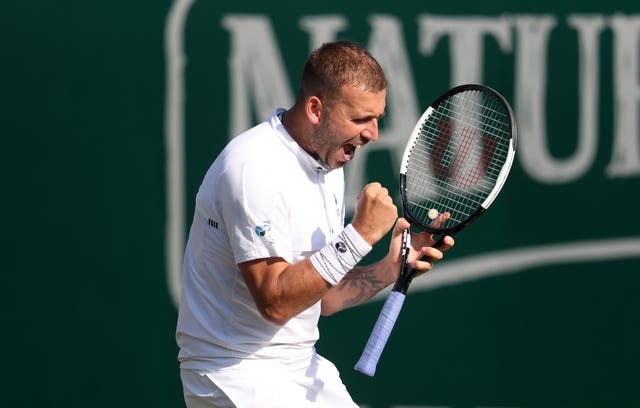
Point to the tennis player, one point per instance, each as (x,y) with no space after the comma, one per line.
(268,251)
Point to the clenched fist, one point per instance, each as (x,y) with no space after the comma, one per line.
(375,213)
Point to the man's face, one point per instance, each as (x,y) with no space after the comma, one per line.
(351,122)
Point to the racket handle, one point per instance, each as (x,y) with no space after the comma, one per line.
(380,334)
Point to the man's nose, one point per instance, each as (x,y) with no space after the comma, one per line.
(370,133)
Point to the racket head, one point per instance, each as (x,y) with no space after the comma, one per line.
(457,158)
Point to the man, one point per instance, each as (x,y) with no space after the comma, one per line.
(268,252)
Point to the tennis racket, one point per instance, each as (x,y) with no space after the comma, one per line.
(454,165)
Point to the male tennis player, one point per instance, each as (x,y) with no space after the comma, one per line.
(268,251)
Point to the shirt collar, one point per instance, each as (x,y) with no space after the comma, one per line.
(307,161)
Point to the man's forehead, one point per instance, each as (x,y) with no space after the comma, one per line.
(359,98)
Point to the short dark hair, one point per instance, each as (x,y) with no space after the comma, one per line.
(337,64)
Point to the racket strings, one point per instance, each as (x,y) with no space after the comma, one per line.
(457,157)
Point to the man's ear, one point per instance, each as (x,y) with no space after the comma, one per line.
(313,109)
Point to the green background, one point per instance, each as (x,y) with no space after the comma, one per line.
(87,317)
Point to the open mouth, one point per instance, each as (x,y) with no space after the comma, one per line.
(349,151)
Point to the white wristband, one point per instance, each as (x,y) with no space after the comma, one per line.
(340,255)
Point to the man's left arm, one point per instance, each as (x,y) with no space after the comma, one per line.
(363,282)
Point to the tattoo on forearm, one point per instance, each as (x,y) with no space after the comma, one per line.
(359,285)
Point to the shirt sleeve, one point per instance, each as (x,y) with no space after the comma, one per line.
(255,213)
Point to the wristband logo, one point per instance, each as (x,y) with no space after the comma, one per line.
(341,247)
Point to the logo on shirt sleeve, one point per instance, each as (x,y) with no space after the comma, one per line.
(264,232)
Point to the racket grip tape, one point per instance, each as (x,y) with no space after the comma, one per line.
(380,334)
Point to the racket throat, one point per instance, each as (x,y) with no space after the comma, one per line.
(406,274)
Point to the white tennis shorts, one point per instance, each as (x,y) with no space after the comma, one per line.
(318,385)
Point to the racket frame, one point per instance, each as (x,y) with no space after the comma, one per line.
(500,180)
(392,306)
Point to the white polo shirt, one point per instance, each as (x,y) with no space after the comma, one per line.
(263,197)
